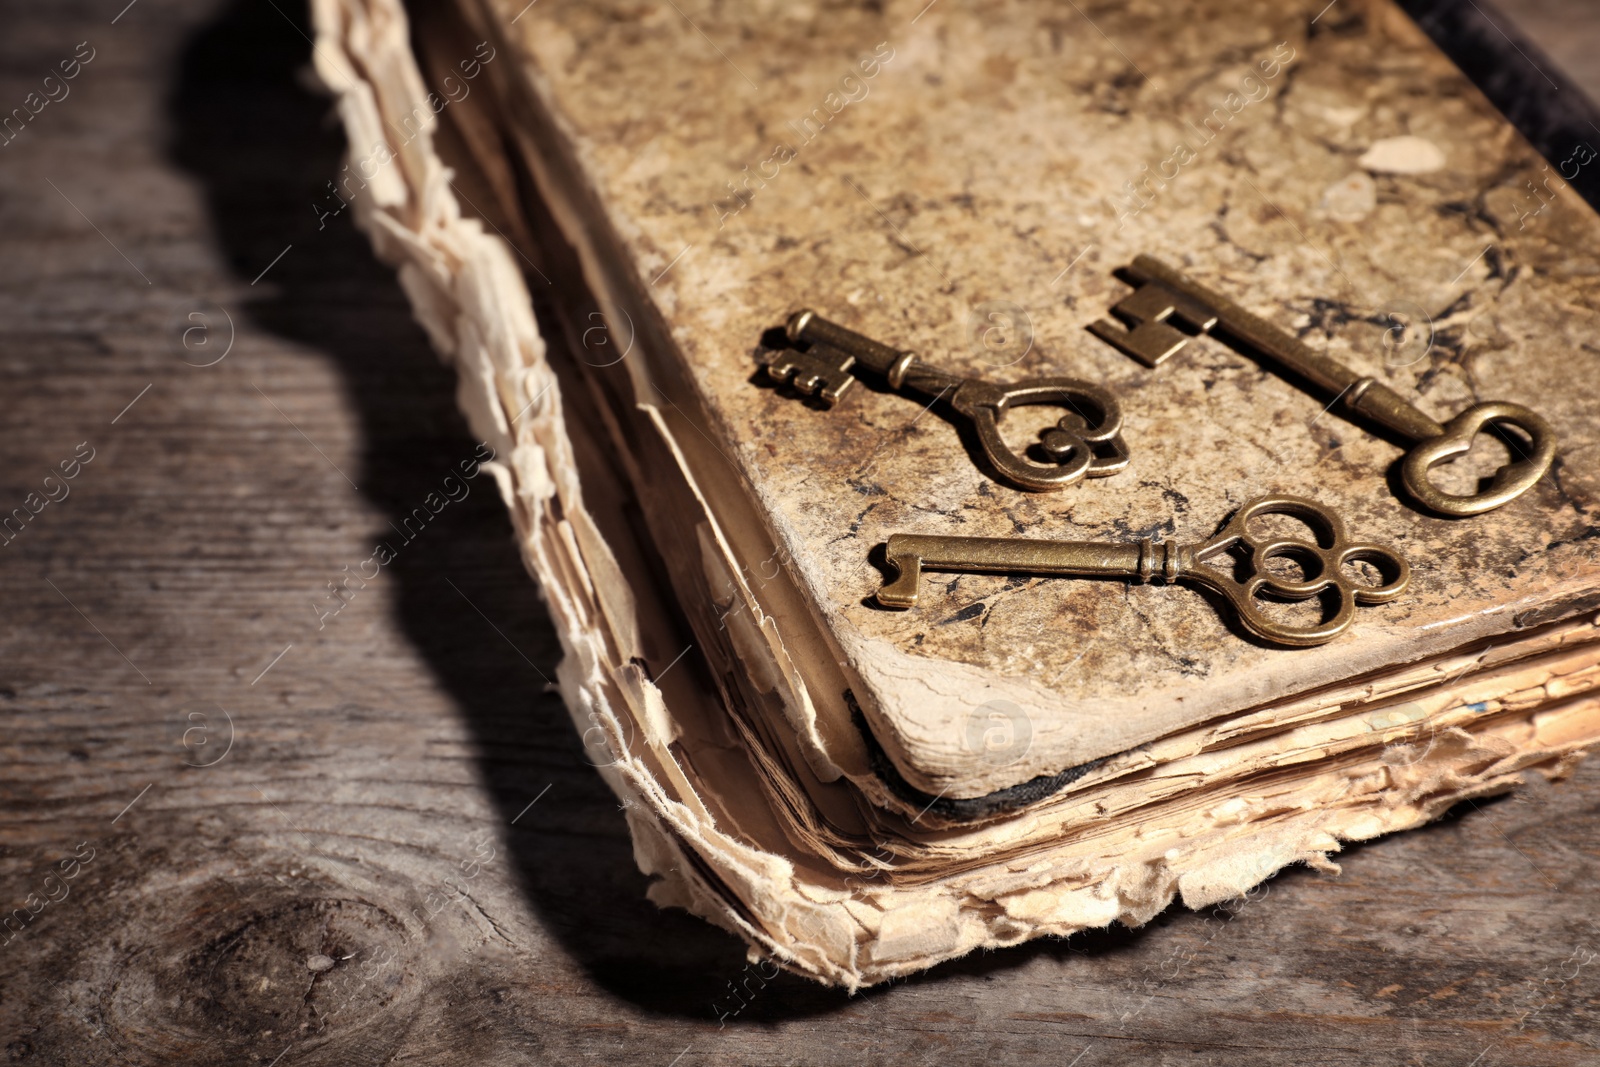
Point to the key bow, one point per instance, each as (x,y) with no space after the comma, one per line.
(1508,483)
(1085,442)
(1323,560)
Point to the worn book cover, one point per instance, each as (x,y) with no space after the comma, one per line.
(940,180)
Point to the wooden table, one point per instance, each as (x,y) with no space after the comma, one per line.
(240,830)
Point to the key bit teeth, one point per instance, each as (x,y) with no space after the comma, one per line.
(821,371)
(826,389)
(1149,342)
(1149,313)
(901,593)
(831,393)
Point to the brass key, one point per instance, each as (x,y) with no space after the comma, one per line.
(1165,295)
(1324,564)
(1086,442)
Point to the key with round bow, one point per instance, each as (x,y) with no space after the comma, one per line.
(1085,443)
(1165,296)
(1325,563)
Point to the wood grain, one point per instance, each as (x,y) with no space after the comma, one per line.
(401,799)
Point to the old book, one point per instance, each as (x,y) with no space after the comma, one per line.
(603,213)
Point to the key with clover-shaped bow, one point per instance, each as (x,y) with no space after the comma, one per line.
(1324,564)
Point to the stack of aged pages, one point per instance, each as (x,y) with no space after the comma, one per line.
(604,213)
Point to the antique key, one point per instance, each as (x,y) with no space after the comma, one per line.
(1086,442)
(1165,295)
(1323,564)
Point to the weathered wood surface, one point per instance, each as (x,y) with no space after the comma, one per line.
(400,800)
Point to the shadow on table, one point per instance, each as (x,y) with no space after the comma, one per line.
(264,146)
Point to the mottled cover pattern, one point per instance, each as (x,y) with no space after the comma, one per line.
(915,170)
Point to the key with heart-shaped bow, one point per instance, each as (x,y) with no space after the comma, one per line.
(1324,563)
(1085,443)
(1165,296)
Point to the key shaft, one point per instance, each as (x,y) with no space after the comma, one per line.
(899,367)
(1021,555)
(1356,392)
(809,327)
(911,554)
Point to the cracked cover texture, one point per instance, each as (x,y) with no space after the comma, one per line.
(987,160)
